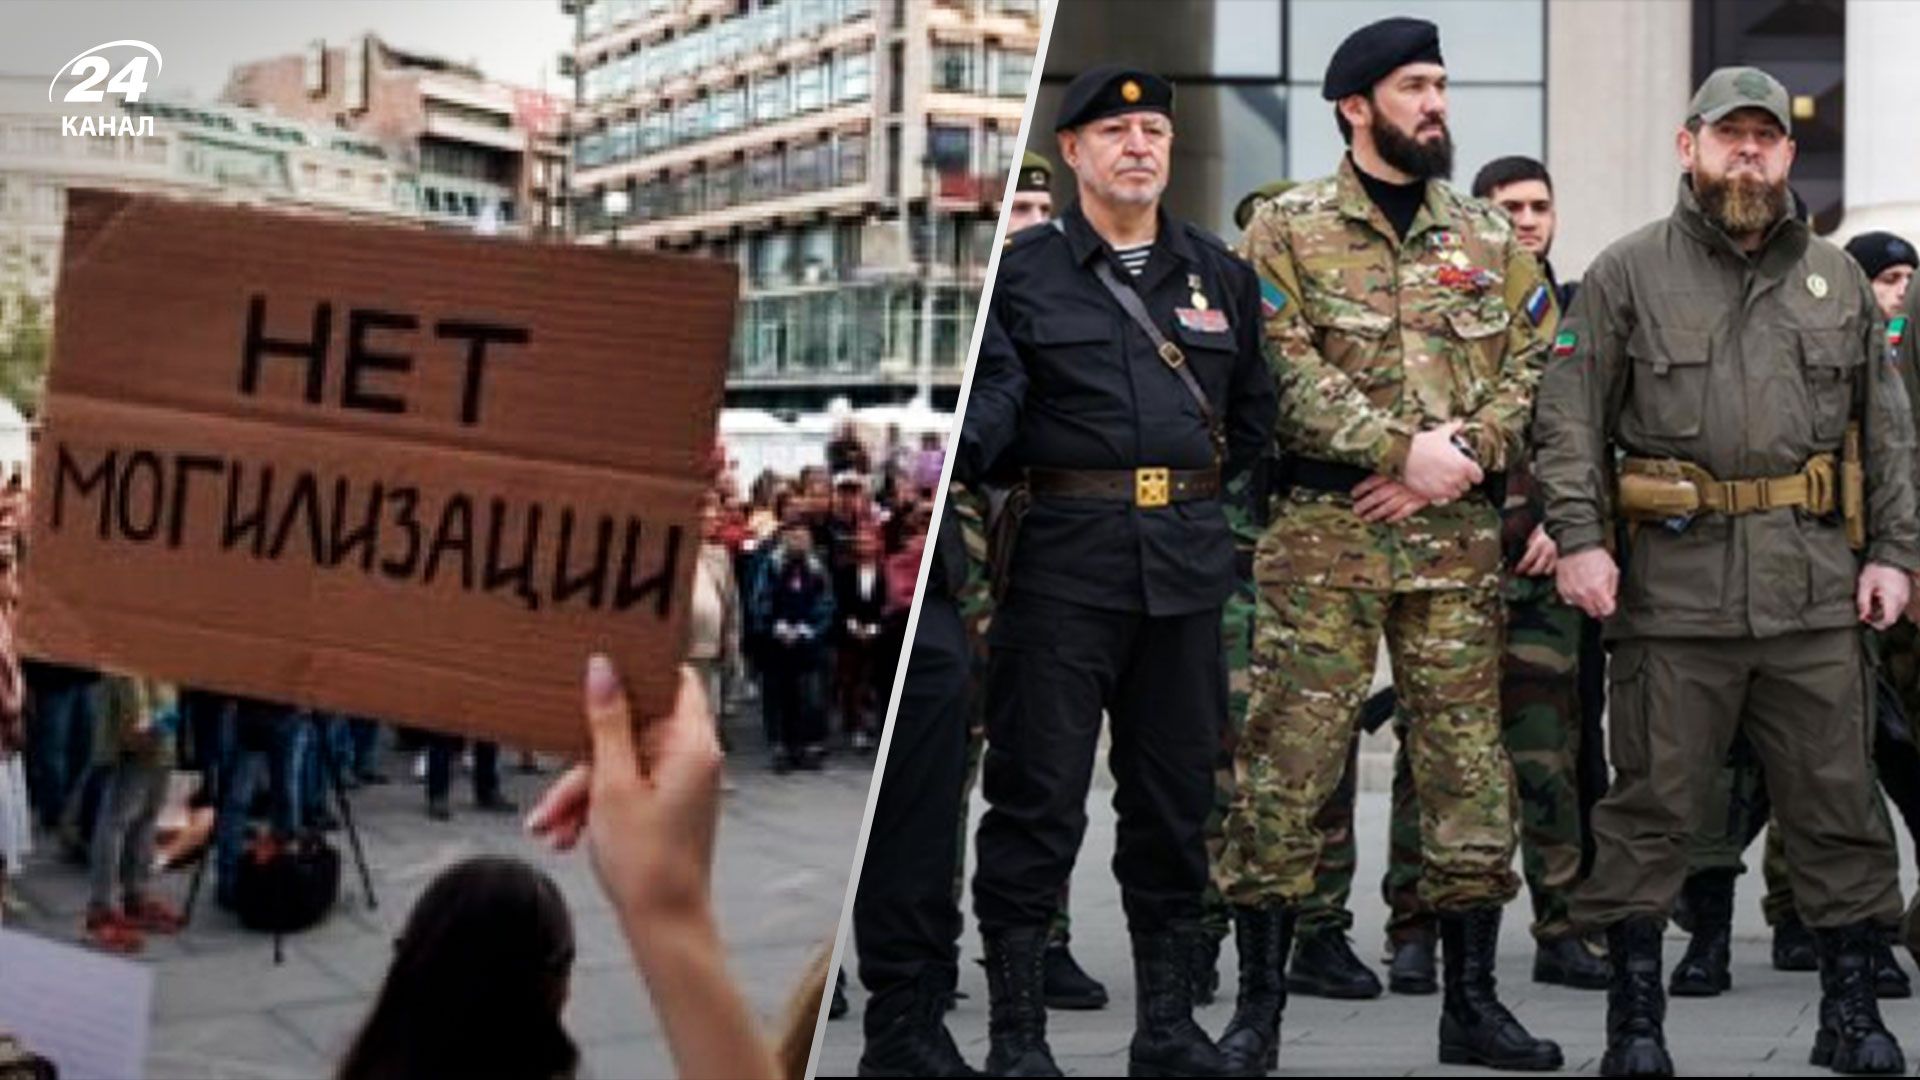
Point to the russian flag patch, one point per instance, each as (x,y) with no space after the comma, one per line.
(1563,345)
(1272,300)
(1538,302)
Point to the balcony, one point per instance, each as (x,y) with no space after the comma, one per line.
(460,129)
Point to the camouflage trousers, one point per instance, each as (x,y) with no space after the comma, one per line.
(1313,661)
(1326,909)
(1540,726)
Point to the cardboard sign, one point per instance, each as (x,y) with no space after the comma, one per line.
(394,472)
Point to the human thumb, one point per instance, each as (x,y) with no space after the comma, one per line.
(608,720)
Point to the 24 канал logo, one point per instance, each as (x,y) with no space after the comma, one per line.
(92,68)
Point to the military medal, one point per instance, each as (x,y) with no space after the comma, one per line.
(1198,299)
(1817,285)
(1202,320)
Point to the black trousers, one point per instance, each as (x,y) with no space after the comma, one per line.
(906,922)
(486,767)
(1054,667)
(796,716)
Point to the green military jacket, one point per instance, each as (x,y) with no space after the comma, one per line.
(1682,346)
(1373,340)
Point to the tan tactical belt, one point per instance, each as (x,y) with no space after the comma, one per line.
(1145,488)
(1662,489)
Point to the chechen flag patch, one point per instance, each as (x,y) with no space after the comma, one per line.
(1538,302)
(1563,345)
(1272,300)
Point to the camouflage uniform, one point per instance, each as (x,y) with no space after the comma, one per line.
(1540,726)
(1374,340)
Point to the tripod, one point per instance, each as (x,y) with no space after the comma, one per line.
(330,776)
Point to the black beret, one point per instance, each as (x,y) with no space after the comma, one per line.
(1875,251)
(1109,91)
(1372,52)
(1036,173)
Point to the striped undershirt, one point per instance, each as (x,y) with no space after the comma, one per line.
(1134,258)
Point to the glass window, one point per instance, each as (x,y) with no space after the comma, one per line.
(723,186)
(950,147)
(697,51)
(768,28)
(808,16)
(1184,40)
(1486,40)
(690,120)
(763,175)
(855,71)
(810,87)
(806,167)
(622,76)
(851,167)
(1011,70)
(592,149)
(772,258)
(770,97)
(648,70)
(1001,148)
(687,192)
(656,131)
(855,9)
(729,39)
(729,109)
(956,69)
(816,252)
(622,140)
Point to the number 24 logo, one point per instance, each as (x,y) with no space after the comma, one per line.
(130,81)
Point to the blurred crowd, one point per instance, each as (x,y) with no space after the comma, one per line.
(802,593)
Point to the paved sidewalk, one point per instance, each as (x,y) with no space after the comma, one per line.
(223,1010)
(1764,1027)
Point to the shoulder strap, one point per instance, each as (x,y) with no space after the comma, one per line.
(1129,301)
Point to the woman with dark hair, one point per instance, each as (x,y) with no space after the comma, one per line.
(479,977)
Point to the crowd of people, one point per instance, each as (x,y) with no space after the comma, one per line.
(1203,485)
(803,587)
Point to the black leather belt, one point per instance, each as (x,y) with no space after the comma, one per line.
(1325,475)
(1145,488)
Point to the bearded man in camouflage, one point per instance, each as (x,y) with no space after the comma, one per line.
(1404,322)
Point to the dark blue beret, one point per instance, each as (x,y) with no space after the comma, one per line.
(1372,52)
(1110,90)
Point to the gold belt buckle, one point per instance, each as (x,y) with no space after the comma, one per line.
(1152,488)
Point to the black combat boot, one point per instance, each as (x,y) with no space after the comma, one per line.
(1324,966)
(1067,984)
(1852,1038)
(1702,972)
(1016,1012)
(1636,1007)
(1412,969)
(1166,1041)
(1475,1029)
(1889,978)
(1262,936)
(1793,946)
(907,1034)
(1566,961)
(1205,971)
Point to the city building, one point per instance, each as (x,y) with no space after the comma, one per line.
(849,155)
(196,150)
(1596,88)
(487,155)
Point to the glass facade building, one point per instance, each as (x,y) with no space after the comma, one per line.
(847,155)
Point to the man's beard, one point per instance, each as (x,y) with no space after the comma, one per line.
(1741,204)
(1130,195)
(1423,161)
